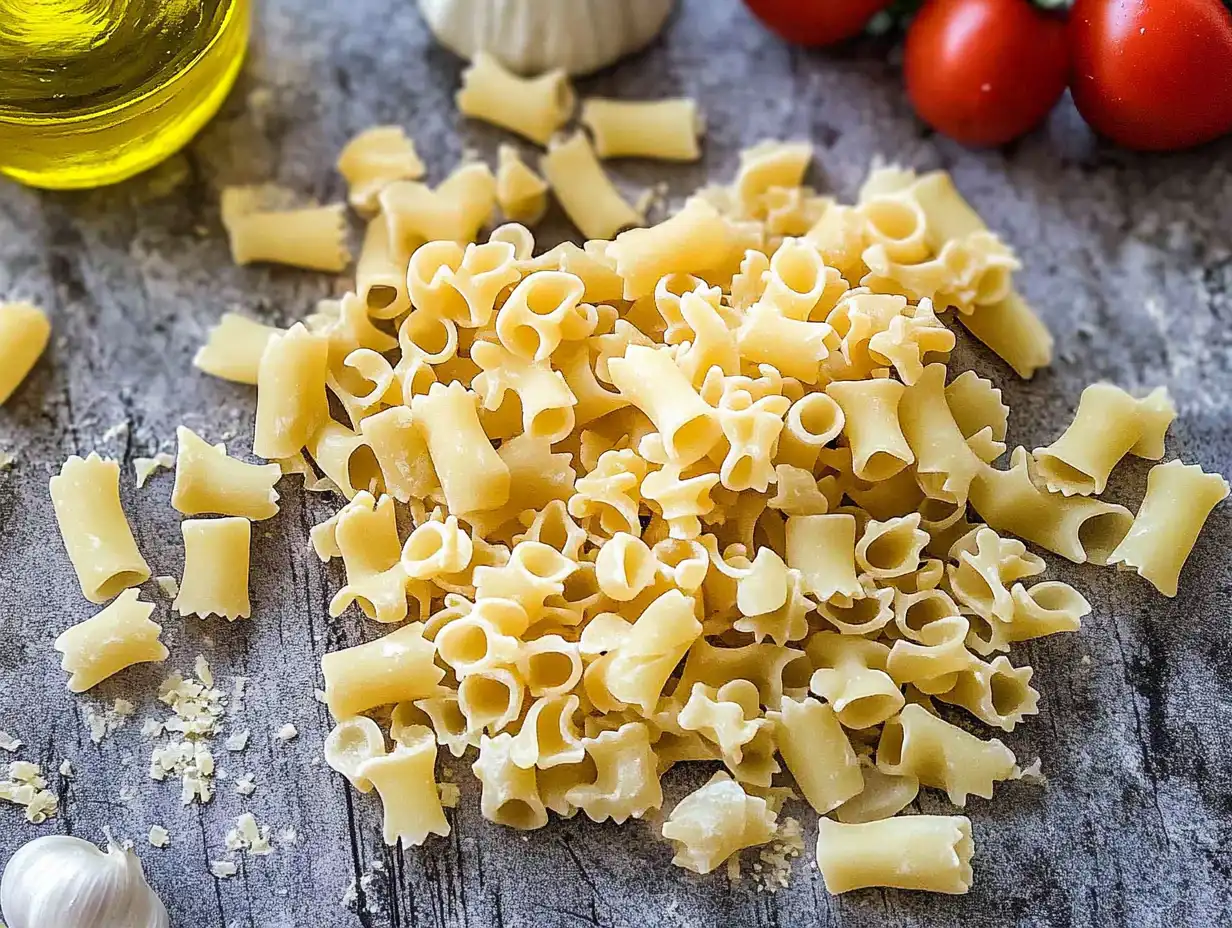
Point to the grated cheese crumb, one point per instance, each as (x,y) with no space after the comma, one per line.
(102,725)
(9,743)
(450,794)
(25,786)
(169,585)
(6,461)
(119,430)
(287,732)
(145,467)
(201,667)
(237,741)
(66,768)
(772,872)
(244,785)
(159,836)
(221,869)
(247,836)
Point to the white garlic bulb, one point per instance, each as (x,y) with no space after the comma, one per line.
(535,36)
(63,882)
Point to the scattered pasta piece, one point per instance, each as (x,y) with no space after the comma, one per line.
(534,108)
(521,193)
(663,130)
(372,160)
(216,558)
(24,333)
(584,190)
(312,237)
(234,348)
(118,637)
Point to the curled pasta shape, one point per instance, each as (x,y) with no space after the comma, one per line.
(892,548)
(884,795)
(546,400)
(898,224)
(350,744)
(996,693)
(921,852)
(934,663)
(491,699)
(861,614)
(1045,609)
(549,736)
(772,668)
(714,822)
(406,780)
(543,310)
(367,538)
(428,337)
(639,668)
(484,273)
(509,793)
(915,612)
(985,569)
(872,426)
(771,601)
(727,715)
(626,780)
(851,677)
(551,666)
(796,348)
(822,548)
(812,422)
(430,276)
(448,722)
(611,493)
(752,428)
(625,567)
(681,500)
(474,643)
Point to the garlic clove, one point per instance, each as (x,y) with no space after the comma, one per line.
(534,36)
(69,883)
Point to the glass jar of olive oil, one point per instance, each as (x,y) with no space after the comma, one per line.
(94,91)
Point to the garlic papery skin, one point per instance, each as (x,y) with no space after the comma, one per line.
(63,882)
(532,37)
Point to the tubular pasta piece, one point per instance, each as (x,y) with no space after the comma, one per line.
(550,665)
(944,464)
(625,567)
(216,556)
(892,548)
(546,400)
(100,543)
(521,193)
(817,753)
(922,852)
(1179,498)
(897,223)
(291,399)
(455,211)
(1108,424)
(396,668)
(510,794)
(543,310)
(490,699)
(1045,609)
(714,822)
(916,612)
(770,667)
(208,481)
(860,615)
(872,426)
(534,108)
(449,723)
(851,677)
(884,795)
(346,459)
(626,778)
(770,164)
(798,284)
(406,780)
(997,694)
(985,568)
(822,548)
(549,736)
(234,347)
(727,715)
(695,240)
(484,274)
(584,190)
(312,238)
(795,348)
(372,160)
(366,535)
(1014,332)
(472,474)
(118,637)
(933,664)
(1076,528)
(401,453)
(979,413)
(437,548)
(380,274)
(663,130)
(949,216)
(640,666)
(942,755)
(24,333)
(350,744)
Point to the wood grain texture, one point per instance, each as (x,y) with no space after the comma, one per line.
(1125,256)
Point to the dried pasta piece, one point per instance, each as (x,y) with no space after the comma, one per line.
(945,465)
(380,273)
(942,755)
(345,458)
(546,400)
(934,663)
(851,676)
(921,852)
(291,399)
(118,637)
(817,752)
(471,473)
(822,548)
(216,556)
(584,190)
(396,668)
(207,480)
(767,165)
(543,310)
(872,426)
(373,159)
(312,238)
(714,822)
(521,193)
(534,108)
(985,568)
(406,781)
(96,533)
(639,667)
(996,693)
(626,780)
(401,452)
(455,211)
(1077,528)
(510,794)
(350,744)
(770,667)
(234,347)
(1108,424)
(1179,498)
(884,795)
(662,130)
(625,567)
(727,715)
(892,548)
(549,736)
(24,333)
(1045,609)
(1014,332)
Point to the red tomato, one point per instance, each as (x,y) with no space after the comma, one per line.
(984,71)
(1153,74)
(816,22)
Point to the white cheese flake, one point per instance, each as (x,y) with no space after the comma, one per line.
(244,785)
(145,467)
(9,743)
(221,869)
(169,585)
(287,732)
(25,786)
(66,768)
(237,741)
(159,836)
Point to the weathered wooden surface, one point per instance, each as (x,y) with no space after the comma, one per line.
(1125,256)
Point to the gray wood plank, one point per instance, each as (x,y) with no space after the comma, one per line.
(1126,257)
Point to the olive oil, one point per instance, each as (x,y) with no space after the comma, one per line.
(94,91)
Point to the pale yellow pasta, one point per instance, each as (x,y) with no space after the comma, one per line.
(380,273)
(349,745)
(864,614)
(455,211)
(396,668)
(1014,332)
(550,665)
(726,715)
(1108,424)
(851,677)
(695,240)
(640,666)
(1045,609)
(681,500)
(234,347)
(207,480)
(584,190)
(366,536)
(96,533)
(345,458)
(626,782)
(216,556)
(770,164)
(817,752)
(922,852)
(510,794)
(491,699)
(883,796)
(933,663)
(1179,498)
(942,755)
(401,452)
(474,643)
(312,238)
(979,413)
(406,781)
(770,667)
(897,223)
(544,309)
(949,216)
(714,822)
(291,399)
(534,108)
(944,464)
(797,492)
(985,566)
(812,422)
(663,130)
(373,159)
(795,348)
(448,722)
(822,548)
(472,475)
(118,637)
(625,567)
(798,284)
(483,275)
(653,383)
(546,400)
(891,548)
(24,333)
(521,193)
(996,693)
(1076,528)
(437,548)
(915,612)
(871,423)
(549,736)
